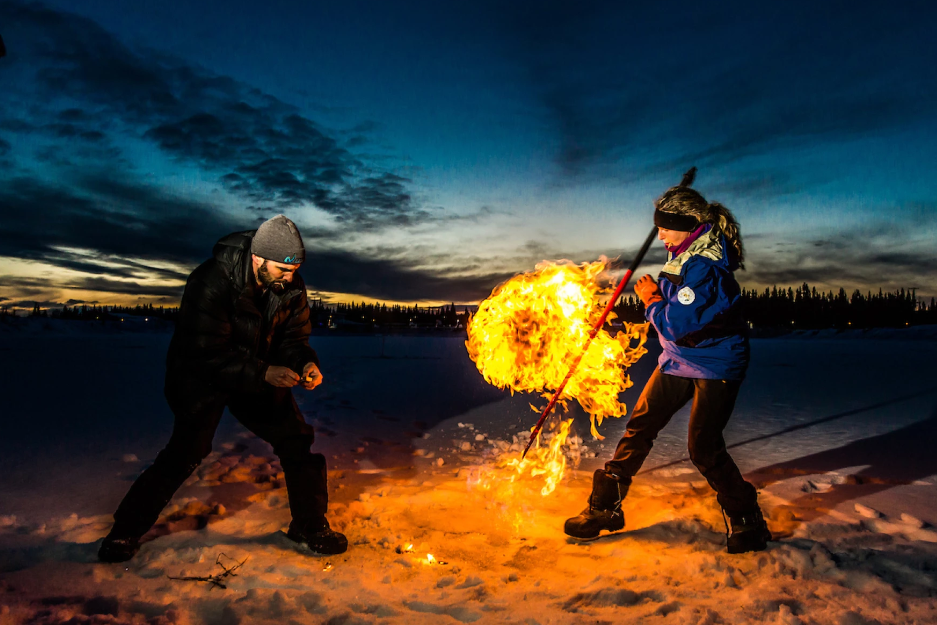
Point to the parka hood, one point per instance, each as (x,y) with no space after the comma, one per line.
(234,245)
(231,253)
(710,245)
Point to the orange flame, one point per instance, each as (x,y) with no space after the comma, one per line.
(530,329)
(549,461)
(505,481)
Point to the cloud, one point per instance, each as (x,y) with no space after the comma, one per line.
(393,279)
(29,303)
(121,235)
(112,219)
(106,285)
(41,286)
(858,258)
(82,84)
(83,101)
(661,87)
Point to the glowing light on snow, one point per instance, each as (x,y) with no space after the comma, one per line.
(527,333)
(544,462)
(548,461)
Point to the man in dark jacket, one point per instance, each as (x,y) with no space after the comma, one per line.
(241,342)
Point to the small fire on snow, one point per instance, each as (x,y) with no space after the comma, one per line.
(429,559)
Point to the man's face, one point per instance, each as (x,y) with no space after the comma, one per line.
(275,276)
(672,238)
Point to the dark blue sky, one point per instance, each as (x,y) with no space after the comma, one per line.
(430,150)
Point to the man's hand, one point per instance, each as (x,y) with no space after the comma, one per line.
(647,290)
(311,377)
(281,376)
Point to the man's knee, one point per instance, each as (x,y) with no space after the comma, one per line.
(303,463)
(295,448)
(183,457)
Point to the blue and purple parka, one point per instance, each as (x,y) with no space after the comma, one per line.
(699,321)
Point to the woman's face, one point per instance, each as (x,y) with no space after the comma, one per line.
(672,238)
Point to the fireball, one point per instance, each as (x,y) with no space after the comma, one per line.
(531,328)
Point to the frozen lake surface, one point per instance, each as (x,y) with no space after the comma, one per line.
(839,435)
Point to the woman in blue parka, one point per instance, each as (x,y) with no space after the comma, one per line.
(695,308)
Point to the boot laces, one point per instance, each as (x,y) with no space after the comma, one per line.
(741,522)
(615,506)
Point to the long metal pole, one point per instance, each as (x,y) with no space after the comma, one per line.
(595,330)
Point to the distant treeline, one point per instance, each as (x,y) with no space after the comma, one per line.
(349,316)
(346,316)
(99,313)
(771,309)
(807,308)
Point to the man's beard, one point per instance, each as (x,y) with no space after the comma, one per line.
(268,281)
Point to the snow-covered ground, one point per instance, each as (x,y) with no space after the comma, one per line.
(839,435)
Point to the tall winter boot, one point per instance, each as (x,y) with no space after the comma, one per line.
(746,532)
(117,548)
(318,537)
(604,511)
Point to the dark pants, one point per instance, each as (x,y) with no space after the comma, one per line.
(272,415)
(713,401)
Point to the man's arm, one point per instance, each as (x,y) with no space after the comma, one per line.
(294,349)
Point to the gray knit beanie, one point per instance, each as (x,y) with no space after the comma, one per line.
(278,239)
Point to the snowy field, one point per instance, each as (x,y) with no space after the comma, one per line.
(838,434)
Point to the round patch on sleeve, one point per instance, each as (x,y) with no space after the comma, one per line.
(686,296)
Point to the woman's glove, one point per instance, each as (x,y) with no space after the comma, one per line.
(647,290)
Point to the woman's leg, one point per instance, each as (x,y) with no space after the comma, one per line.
(712,407)
(662,396)
(713,403)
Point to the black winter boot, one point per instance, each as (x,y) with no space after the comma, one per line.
(746,532)
(118,548)
(604,511)
(318,537)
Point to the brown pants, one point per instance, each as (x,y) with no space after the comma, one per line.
(713,401)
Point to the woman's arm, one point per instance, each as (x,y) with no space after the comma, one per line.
(693,304)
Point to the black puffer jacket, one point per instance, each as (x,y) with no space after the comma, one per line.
(227,334)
